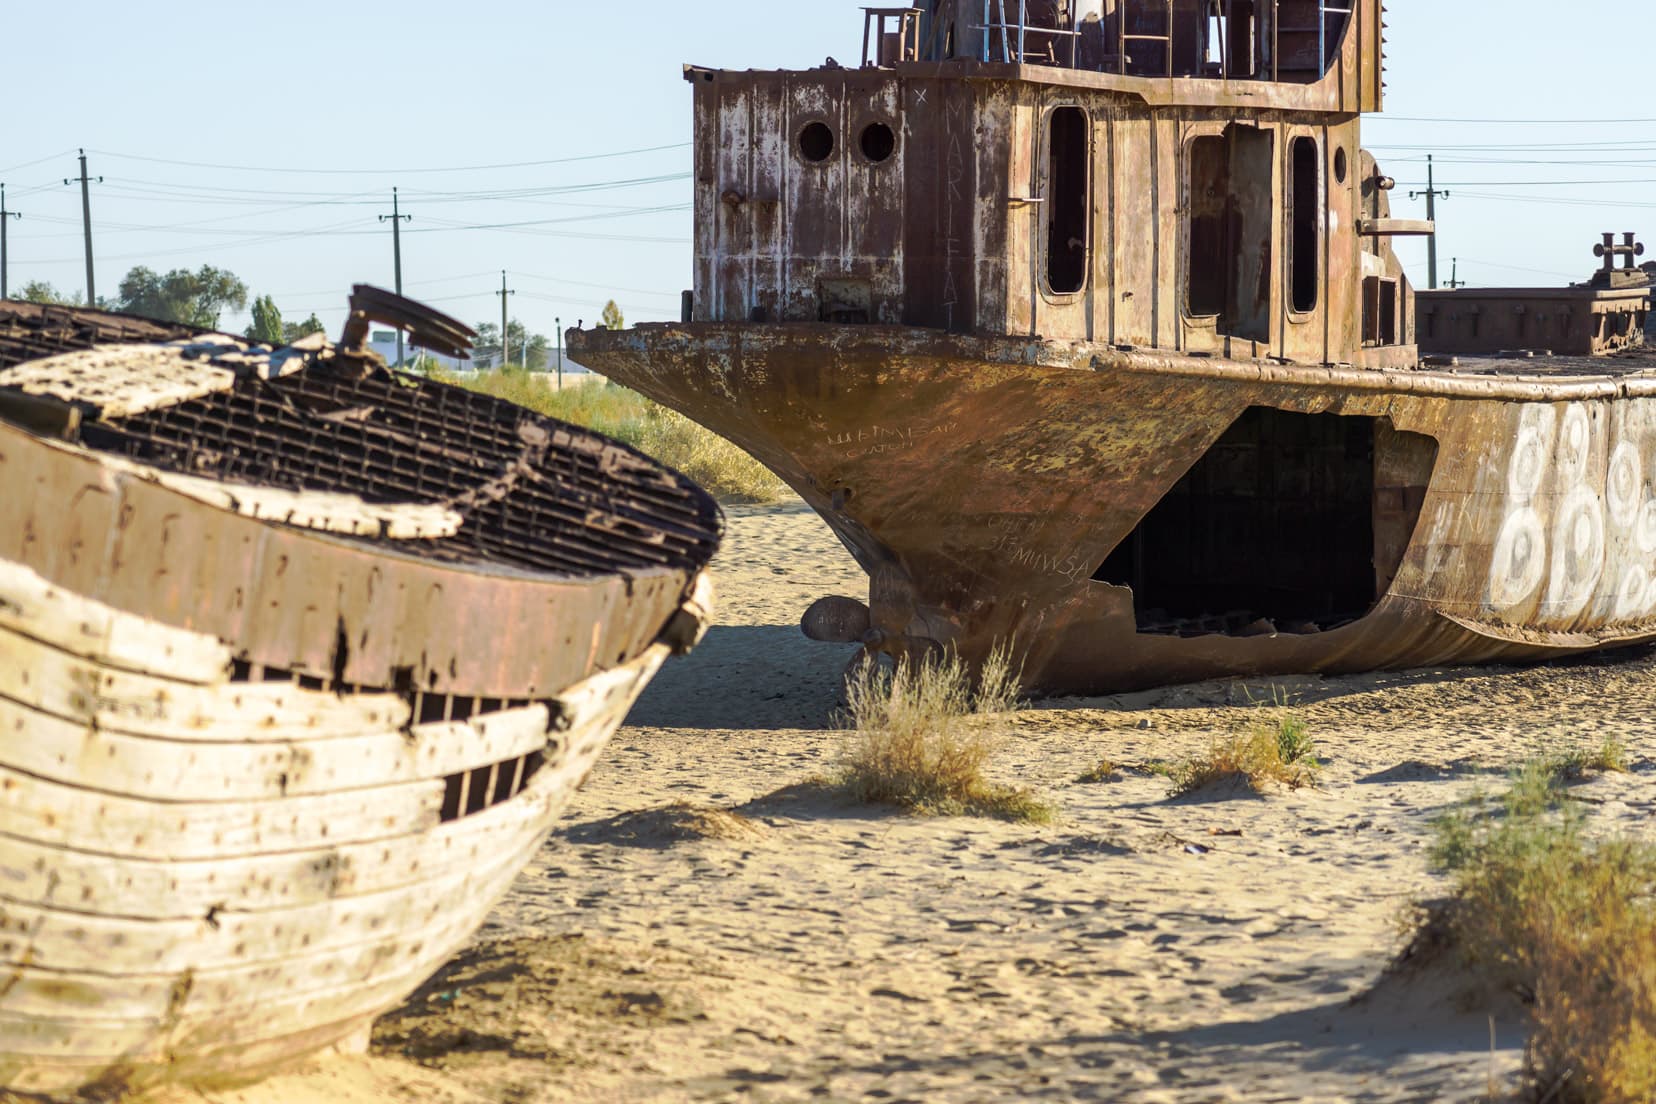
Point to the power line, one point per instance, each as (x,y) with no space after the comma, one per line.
(403,171)
(1521,122)
(31,164)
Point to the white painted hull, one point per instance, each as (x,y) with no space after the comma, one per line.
(203,878)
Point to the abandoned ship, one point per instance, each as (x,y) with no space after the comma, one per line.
(1080,324)
(299,659)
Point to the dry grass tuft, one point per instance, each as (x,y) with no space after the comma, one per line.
(1610,756)
(1565,921)
(1105,770)
(922,733)
(665,434)
(1271,751)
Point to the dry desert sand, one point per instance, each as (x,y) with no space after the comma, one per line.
(698,931)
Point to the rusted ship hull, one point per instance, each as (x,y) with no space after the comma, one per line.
(1132,518)
(299,660)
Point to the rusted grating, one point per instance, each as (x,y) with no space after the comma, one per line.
(534,492)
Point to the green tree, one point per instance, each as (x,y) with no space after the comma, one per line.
(539,348)
(39,291)
(293,331)
(193,298)
(267,322)
(612,317)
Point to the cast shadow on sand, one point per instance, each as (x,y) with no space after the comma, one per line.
(1306,690)
(758,821)
(743,677)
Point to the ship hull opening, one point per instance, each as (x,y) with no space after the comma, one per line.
(1272,530)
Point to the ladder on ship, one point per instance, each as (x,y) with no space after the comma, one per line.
(1308,23)
(1165,38)
(1016,49)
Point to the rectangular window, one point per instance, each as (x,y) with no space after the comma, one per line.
(1305,204)
(1068,202)
(1209,189)
(1380,312)
(1228,269)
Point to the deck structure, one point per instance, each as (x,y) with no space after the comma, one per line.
(299,659)
(1604,314)
(1080,324)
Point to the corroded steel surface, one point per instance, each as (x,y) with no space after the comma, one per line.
(1109,354)
(1603,315)
(982,481)
(564,531)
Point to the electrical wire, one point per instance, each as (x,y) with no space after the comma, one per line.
(403,171)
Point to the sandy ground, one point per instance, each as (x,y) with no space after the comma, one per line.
(777,945)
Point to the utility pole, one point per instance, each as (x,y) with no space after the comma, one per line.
(558,322)
(397,219)
(505,360)
(86,219)
(5,215)
(1431,193)
(1454,272)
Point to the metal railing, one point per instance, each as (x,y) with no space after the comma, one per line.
(1017,49)
(1005,34)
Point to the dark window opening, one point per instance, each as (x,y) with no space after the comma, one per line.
(1228,267)
(1271,531)
(468,792)
(816,142)
(1380,312)
(1067,201)
(878,142)
(1306,203)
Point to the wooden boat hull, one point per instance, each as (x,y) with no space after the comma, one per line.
(985,483)
(270,751)
(153,929)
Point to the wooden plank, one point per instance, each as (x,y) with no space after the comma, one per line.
(221,938)
(257,998)
(83,881)
(327,511)
(52,813)
(75,689)
(198,769)
(32,607)
(122,380)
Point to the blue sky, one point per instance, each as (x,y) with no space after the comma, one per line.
(266,139)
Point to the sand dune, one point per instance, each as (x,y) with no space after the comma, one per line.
(698,930)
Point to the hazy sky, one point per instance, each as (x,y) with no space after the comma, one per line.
(266,138)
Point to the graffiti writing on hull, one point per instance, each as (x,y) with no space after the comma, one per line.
(877,440)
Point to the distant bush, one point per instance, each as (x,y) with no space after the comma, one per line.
(920,738)
(653,429)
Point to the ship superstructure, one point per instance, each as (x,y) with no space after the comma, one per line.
(1079,322)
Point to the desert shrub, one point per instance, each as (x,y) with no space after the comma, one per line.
(1608,756)
(653,429)
(1105,770)
(1567,922)
(1270,750)
(920,734)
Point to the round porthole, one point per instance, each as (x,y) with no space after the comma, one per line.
(816,142)
(878,142)
(1339,166)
